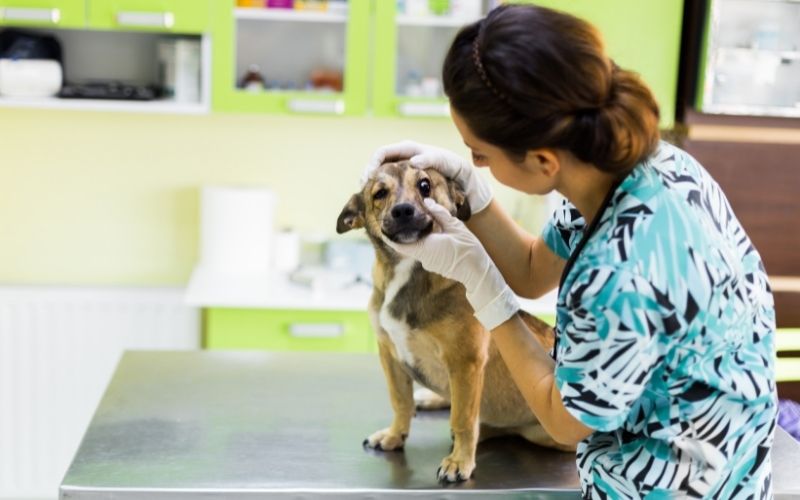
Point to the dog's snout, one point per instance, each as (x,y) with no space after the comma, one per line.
(403,212)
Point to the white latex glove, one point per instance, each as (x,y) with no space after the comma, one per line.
(457,254)
(478,191)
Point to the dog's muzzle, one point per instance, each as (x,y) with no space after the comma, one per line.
(405,224)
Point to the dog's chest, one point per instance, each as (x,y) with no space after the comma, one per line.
(399,331)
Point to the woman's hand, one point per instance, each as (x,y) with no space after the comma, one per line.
(456,253)
(479,193)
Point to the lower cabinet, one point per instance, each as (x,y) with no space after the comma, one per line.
(288,330)
(293,330)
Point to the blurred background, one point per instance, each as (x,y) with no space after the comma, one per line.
(172,170)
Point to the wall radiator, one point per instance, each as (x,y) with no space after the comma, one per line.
(58,350)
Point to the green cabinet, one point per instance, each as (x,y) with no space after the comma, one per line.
(287,46)
(288,330)
(174,16)
(641,36)
(409,52)
(43,13)
(384,62)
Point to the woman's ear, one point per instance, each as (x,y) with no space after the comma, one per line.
(543,161)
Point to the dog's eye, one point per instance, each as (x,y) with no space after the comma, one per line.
(424,187)
(380,194)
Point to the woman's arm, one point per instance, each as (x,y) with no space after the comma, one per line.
(532,370)
(528,265)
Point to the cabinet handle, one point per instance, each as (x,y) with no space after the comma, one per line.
(335,107)
(316,330)
(146,19)
(424,109)
(52,16)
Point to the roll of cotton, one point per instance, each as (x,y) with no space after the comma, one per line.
(236,229)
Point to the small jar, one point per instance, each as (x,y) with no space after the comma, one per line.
(253,80)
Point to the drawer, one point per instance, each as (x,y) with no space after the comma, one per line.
(173,16)
(288,330)
(43,13)
(787,343)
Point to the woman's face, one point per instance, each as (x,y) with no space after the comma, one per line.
(528,176)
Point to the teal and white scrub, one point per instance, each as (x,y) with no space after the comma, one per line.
(665,339)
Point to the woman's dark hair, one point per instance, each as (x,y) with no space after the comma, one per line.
(527,77)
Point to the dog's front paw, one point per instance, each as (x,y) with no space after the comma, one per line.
(386,440)
(453,470)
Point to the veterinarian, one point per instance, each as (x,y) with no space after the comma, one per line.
(662,372)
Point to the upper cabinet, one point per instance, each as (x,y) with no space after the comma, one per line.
(298,57)
(172,16)
(350,57)
(412,39)
(43,13)
(121,55)
(750,62)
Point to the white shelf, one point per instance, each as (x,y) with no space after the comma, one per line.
(291,15)
(276,291)
(433,21)
(105,105)
(791,55)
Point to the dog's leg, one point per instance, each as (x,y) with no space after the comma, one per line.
(466,386)
(401,394)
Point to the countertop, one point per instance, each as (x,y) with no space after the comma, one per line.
(272,290)
(199,424)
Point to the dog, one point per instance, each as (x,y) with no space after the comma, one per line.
(426,329)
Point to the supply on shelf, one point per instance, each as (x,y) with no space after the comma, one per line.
(253,80)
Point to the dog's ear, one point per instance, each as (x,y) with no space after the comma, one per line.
(463,210)
(352,216)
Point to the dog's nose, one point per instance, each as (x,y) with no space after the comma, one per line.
(403,212)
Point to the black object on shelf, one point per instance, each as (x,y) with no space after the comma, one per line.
(19,44)
(110,90)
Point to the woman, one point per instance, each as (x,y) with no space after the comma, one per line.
(662,372)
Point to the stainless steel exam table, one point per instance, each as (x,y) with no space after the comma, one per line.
(214,425)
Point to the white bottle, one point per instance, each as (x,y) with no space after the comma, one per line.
(466,9)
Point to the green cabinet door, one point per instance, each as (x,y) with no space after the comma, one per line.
(275,39)
(288,330)
(43,13)
(170,16)
(408,47)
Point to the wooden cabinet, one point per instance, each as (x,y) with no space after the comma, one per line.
(760,178)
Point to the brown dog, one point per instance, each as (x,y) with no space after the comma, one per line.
(426,328)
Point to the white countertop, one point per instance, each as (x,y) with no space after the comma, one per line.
(265,290)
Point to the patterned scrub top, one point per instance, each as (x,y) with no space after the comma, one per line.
(665,339)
